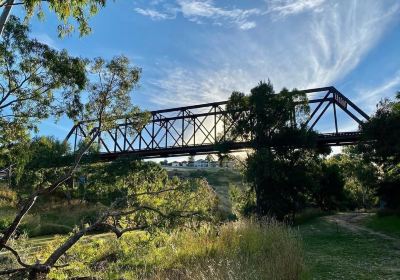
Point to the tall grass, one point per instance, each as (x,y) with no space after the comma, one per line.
(237,250)
(240,250)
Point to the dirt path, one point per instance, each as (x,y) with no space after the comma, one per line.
(353,222)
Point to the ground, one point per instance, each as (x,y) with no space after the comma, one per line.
(341,247)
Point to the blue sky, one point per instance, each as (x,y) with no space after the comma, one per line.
(194,51)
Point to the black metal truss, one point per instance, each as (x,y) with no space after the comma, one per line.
(200,129)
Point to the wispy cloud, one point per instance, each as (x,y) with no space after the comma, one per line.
(291,7)
(153,14)
(202,11)
(181,86)
(371,96)
(46,39)
(319,50)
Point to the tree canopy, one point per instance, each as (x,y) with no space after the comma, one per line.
(279,171)
(72,14)
(382,146)
(36,82)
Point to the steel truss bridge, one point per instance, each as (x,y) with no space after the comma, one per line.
(202,129)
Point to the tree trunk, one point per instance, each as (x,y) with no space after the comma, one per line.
(5,14)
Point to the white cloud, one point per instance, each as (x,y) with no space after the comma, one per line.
(46,39)
(182,86)
(248,25)
(290,7)
(368,98)
(153,14)
(317,51)
(200,11)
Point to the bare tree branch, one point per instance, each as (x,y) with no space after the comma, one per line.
(17,256)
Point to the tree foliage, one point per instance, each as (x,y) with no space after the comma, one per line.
(107,97)
(382,134)
(72,14)
(361,177)
(382,146)
(328,192)
(35,82)
(280,169)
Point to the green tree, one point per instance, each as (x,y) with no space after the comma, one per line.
(35,83)
(279,171)
(70,13)
(361,177)
(209,158)
(382,146)
(107,98)
(328,192)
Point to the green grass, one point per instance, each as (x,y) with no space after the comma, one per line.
(386,224)
(309,215)
(59,219)
(332,252)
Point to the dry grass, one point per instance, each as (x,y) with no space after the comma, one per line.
(241,250)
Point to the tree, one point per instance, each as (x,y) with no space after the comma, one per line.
(191,159)
(279,170)
(361,177)
(382,146)
(329,187)
(107,99)
(35,83)
(382,134)
(67,11)
(209,158)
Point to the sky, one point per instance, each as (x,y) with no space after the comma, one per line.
(193,51)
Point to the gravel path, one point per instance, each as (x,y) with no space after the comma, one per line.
(353,222)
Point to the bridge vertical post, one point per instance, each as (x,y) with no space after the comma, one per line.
(215,124)
(140,140)
(166,134)
(334,113)
(125,128)
(152,133)
(194,131)
(183,128)
(76,138)
(125,131)
(224,121)
(116,139)
(99,140)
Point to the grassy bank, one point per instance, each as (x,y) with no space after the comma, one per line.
(389,224)
(334,252)
(240,250)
